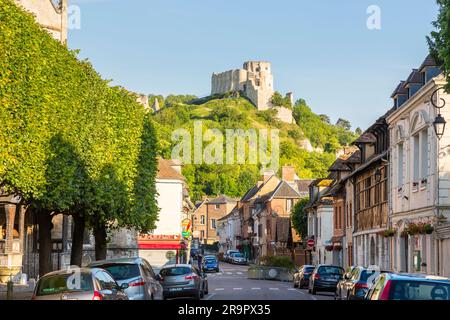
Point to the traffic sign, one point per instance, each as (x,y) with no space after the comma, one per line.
(310,242)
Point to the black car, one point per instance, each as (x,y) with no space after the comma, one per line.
(301,277)
(325,278)
(355,285)
(403,286)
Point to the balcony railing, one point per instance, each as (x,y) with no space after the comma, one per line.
(372,218)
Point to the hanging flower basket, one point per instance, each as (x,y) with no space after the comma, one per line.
(428,228)
(329,248)
(337,247)
(389,233)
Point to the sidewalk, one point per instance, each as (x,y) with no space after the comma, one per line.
(20,292)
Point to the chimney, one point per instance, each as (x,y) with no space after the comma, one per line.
(288,174)
(176,165)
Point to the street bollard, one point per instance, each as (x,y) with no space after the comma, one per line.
(9,289)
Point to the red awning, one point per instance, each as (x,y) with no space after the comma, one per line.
(160,246)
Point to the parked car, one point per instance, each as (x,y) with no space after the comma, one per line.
(210,263)
(238,258)
(403,286)
(227,255)
(340,285)
(183,280)
(79,284)
(301,277)
(325,278)
(142,281)
(355,285)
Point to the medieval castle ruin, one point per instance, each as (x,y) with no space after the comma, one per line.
(255,82)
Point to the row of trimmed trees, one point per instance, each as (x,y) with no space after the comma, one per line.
(69,142)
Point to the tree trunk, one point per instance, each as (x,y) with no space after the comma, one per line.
(76,254)
(100,242)
(45,241)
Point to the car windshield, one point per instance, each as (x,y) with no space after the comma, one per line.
(309,269)
(238,255)
(366,274)
(64,283)
(175,271)
(419,290)
(210,260)
(330,270)
(122,271)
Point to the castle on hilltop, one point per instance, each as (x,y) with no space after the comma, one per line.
(255,82)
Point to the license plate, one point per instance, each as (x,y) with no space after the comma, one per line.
(175,289)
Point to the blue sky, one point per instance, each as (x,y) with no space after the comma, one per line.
(321,50)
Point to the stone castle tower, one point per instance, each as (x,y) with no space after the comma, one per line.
(254,80)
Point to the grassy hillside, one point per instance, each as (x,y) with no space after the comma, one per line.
(238,113)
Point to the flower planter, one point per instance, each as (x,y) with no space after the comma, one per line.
(329,248)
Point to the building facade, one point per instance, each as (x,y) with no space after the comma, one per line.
(419,180)
(207,215)
(165,244)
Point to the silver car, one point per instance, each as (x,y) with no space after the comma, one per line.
(142,281)
(79,284)
(183,280)
(238,258)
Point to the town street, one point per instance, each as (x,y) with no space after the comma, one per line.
(231,283)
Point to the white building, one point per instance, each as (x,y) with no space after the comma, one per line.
(320,222)
(165,243)
(420,175)
(229,230)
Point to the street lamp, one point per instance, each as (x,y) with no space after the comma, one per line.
(378,175)
(439,122)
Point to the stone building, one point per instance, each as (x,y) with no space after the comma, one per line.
(419,181)
(165,243)
(255,82)
(50,14)
(206,217)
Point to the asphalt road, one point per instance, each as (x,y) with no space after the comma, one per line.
(231,283)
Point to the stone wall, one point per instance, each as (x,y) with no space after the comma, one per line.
(49,16)
(255,80)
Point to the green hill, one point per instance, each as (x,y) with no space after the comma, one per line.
(238,113)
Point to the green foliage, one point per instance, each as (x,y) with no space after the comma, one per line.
(278,262)
(68,141)
(319,132)
(234,113)
(439,40)
(300,218)
(278,100)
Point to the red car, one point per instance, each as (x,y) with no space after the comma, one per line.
(403,286)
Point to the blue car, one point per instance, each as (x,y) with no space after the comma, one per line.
(210,263)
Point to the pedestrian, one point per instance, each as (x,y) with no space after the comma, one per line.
(199,261)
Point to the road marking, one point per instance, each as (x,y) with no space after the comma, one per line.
(219,289)
(237,288)
(274,289)
(229,273)
(210,296)
(314,298)
(239,272)
(256,288)
(292,289)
